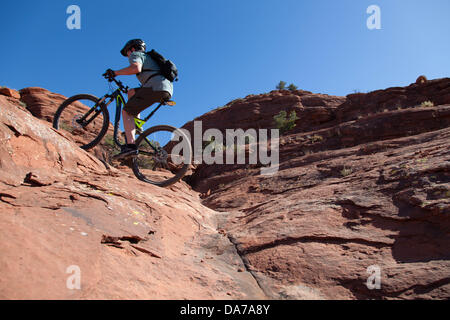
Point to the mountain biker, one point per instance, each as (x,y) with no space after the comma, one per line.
(154,88)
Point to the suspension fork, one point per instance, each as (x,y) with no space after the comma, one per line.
(119,102)
(83,122)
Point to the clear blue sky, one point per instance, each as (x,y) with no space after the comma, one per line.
(226,49)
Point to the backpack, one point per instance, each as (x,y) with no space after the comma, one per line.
(167,68)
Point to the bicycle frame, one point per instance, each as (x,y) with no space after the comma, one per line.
(120,102)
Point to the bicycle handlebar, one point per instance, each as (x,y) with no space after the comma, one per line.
(122,88)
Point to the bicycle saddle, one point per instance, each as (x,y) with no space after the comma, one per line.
(169,103)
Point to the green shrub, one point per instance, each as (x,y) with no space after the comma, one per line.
(109,142)
(292,87)
(346,171)
(146,163)
(316,138)
(214,145)
(248,140)
(427,104)
(66,126)
(283,123)
(281,85)
(209,141)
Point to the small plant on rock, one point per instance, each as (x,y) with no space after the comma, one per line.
(66,126)
(316,138)
(346,171)
(109,143)
(427,104)
(23,104)
(283,123)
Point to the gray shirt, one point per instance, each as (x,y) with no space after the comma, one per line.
(158,82)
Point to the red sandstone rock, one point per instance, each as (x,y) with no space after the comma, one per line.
(391,99)
(10,93)
(372,190)
(41,102)
(56,203)
(421,80)
(360,184)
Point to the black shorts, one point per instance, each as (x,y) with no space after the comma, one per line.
(144,98)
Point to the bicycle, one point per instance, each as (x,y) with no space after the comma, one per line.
(159,160)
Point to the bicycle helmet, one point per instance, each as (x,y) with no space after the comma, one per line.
(137,44)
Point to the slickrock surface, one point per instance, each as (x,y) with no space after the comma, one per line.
(353,190)
(60,207)
(363,184)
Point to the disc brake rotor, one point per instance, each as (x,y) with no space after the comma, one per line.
(161,156)
(75,122)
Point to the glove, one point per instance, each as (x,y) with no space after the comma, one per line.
(109,74)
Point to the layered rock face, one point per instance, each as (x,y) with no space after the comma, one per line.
(363,185)
(40,102)
(73,229)
(257,111)
(359,207)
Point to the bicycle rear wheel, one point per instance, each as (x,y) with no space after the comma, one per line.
(164,155)
(84,118)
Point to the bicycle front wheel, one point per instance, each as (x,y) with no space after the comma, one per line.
(84,118)
(164,156)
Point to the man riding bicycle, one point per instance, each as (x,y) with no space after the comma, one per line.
(154,88)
